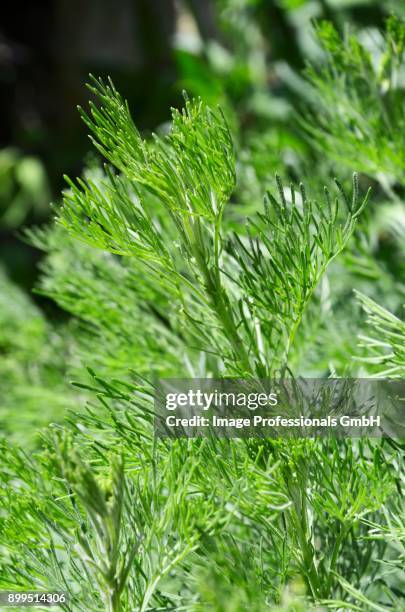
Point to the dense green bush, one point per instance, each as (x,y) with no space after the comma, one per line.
(169,264)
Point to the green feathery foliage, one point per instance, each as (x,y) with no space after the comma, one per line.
(243,301)
(386,343)
(32,366)
(123,521)
(358,115)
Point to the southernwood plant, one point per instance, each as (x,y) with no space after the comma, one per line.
(163,276)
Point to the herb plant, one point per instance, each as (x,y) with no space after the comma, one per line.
(153,258)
